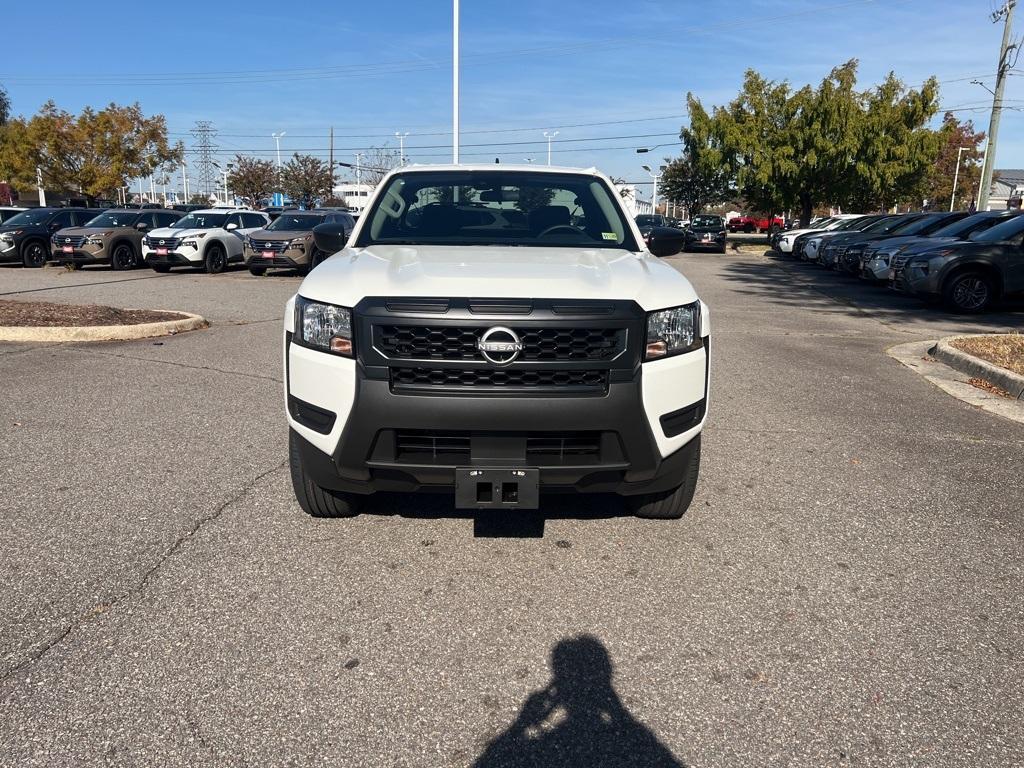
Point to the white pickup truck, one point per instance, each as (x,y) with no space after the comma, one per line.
(496,332)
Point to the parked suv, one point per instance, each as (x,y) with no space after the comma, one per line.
(114,237)
(288,241)
(970,276)
(210,238)
(26,236)
(496,331)
(705,231)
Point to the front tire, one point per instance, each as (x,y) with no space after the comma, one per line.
(969,292)
(123,257)
(34,255)
(258,271)
(670,505)
(216,260)
(161,268)
(314,500)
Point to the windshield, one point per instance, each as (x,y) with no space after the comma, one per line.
(1005,231)
(295,222)
(914,226)
(114,219)
(497,208)
(28,217)
(649,221)
(707,221)
(883,225)
(200,221)
(853,224)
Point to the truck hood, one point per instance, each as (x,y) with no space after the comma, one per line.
(496,272)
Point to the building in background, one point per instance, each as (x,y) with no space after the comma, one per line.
(1007,186)
(356,196)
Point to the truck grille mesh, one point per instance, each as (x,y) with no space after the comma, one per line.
(421,342)
(577,381)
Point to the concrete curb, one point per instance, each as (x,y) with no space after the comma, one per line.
(974,366)
(188,322)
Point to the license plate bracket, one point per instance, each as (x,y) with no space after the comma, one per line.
(67,249)
(497,488)
(161,251)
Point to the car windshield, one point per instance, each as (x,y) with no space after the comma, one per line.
(707,221)
(516,208)
(883,225)
(976,223)
(858,223)
(912,227)
(295,222)
(200,221)
(1005,231)
(649,221)
(28,217)
(114,219)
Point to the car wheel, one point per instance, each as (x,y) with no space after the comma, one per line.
(123,257)
(162,268)
(670,505)
(258,271)
(314,500)
(721,249)
(969,292)
(316,258)
(34,255)
(216,260)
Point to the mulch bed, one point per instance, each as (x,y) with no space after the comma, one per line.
(1003,349)
(44,314)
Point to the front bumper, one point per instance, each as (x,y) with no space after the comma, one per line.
(716,242)
(9,251)
(355,428)
(79,255)
(290,258)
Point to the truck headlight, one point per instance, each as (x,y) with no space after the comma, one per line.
(323,326)
(673,331)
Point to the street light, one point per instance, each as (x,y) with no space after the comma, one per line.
(277,140)
(401,146)
(549,137)
(642,150)
(956,176)
(655,178)
(225,172)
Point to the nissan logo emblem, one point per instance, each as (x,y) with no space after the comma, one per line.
(67,239)
(269,245)
(500,345)
(161,242)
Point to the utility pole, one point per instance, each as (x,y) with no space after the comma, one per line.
(359,170)
(549,137)
(956,176)
(277,140)
(401,146)
(1006,14)
(332,161)
(455,82)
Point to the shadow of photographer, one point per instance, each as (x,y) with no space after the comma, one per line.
(577,720)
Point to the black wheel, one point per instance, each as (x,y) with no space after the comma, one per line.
(160,268)
(721,249)
(34,254)
(670,505)
(686,247)
(124,257)
(258,271)
(316,258)
(314,500)
(969,292)
(216,259)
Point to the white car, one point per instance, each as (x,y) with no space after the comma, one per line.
(494,332)
(787,238)
(210,238)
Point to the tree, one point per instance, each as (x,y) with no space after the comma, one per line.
(252,179)
(5,107)
(829,144)
(939,184)
(306,179)
(701,176)
(377,162)
(94,152)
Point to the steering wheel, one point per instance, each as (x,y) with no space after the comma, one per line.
(572,230)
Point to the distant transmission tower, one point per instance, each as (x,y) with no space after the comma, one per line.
(204,133)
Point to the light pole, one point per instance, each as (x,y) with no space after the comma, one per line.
(401,146)
(455,82)
(359,170)
(549,137)
(277,139)
(225,172)
(655,177)
(956,176)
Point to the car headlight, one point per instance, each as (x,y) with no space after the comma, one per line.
(94,241)
(298,242)
(673,331)
(325,327)
(190,244)
(918,266)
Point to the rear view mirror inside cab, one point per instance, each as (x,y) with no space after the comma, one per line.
(500,195)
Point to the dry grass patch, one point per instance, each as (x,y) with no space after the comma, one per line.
(44,314)
(1004,349)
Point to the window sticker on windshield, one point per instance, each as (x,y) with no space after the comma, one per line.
(609,236)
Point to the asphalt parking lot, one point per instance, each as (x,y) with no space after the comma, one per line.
(845,589)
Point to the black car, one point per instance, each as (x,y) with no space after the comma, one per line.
(646,222)
(970,276)
(705,231)
(859,255)
(26,237)
(187,207)
(831,254)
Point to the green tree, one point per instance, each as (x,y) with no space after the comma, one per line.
(702,175)
(306,179)
(953,135)
(5,107)
(93,152)
(252,179)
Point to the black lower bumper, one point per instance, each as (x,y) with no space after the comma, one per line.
(79,257)
(621,454)
(171,260)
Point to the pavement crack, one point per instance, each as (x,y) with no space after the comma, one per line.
(185,365)
(83,285)
(93,612)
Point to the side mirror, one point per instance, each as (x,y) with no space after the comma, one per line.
(331,236)
(142,226)
(231,227)
(665,241)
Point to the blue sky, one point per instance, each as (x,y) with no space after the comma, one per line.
(371,69)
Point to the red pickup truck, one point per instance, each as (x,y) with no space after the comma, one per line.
(748,223)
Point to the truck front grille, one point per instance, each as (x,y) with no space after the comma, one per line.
(424,342)
(576,381)
(170,243)
(275,246)
(539,448)
(75,241)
